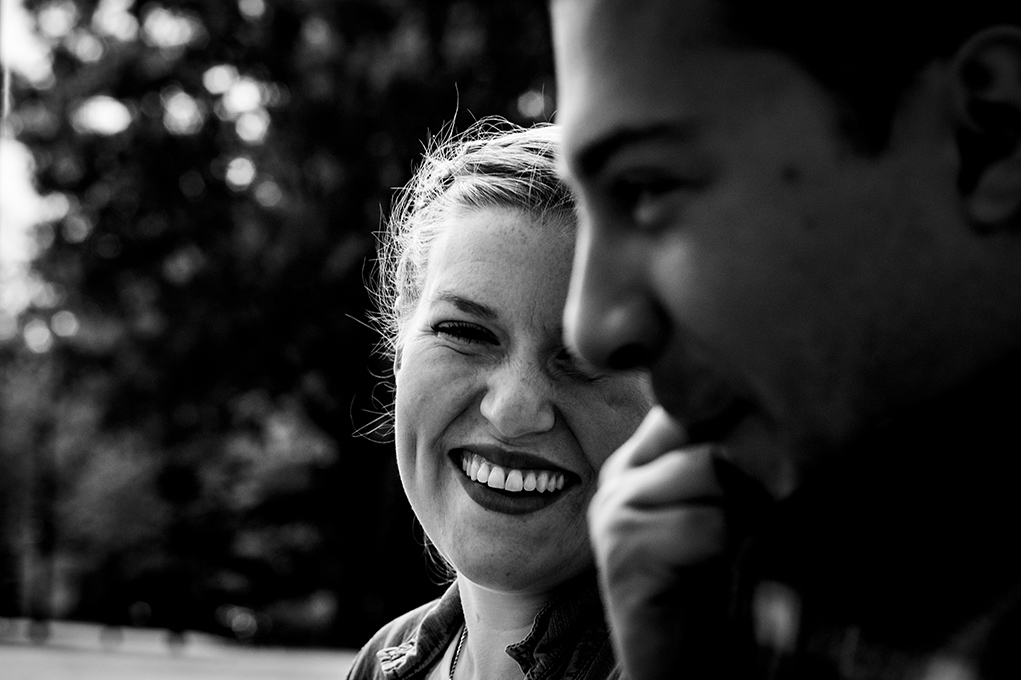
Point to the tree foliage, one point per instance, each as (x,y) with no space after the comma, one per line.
(222,168)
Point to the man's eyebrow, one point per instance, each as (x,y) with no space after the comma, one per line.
(468,306)
(592,158)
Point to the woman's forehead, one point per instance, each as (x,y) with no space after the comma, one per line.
(499,233)
(496,255)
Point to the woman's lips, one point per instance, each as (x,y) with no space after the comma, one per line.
(508,458)
(514,480)
(508,489)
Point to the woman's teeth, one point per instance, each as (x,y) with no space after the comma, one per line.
(482,471)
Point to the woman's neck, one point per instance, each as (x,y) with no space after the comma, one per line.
(495,620)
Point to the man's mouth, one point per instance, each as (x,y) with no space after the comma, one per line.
(510,479)
(710,406)
(720,424)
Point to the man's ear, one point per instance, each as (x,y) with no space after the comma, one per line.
(987,82)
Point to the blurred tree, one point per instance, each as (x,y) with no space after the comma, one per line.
(221,168)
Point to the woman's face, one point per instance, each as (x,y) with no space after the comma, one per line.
(500,431)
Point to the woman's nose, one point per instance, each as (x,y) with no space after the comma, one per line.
(611,318)
(519,401)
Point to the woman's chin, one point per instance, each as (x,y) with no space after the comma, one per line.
(517,579)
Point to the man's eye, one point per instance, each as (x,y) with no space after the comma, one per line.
(463,332)
(651,202)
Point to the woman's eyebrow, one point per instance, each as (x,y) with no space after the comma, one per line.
(468,306)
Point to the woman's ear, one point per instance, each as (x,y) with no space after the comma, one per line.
(987,85)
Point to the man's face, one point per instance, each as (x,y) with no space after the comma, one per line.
(785,290)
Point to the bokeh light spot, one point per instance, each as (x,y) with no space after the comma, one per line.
(167,29)
(240,173)
(533,104)
(220,78)
(182,113)
(244,95)
(76,228)
(113,18)
(64,323)
(101,115)
(252,9)
(87,47)
(181,266)
(268,194)
(252,126)
(57,19)
(316,32)
(38,337)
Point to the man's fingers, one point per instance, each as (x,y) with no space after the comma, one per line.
(649,541)
(675,477)
(657,434)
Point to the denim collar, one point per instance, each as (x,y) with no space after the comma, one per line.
(573,618)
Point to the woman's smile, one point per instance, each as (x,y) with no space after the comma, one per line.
(514,480)
(499,427)
(508,489)
(501,431)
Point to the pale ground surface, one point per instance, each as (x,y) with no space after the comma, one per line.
(78,652)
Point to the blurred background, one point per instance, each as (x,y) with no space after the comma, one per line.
(192,412)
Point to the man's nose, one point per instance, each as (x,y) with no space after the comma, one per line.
(519,400)
(611,317)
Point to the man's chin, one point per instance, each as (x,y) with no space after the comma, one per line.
(719,408)
(756,451)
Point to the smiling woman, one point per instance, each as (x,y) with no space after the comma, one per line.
(500,430)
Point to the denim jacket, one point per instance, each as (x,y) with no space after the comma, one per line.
(569,639)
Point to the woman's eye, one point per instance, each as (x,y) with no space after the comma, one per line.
(464,332)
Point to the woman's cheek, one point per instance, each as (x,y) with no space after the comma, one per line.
(432,388)
(612,414)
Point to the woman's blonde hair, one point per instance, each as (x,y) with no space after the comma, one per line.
(492,163)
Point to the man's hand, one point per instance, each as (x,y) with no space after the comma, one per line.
(660,537)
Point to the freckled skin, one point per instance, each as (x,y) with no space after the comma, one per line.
(509,389)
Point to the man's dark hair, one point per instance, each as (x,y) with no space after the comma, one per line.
(867,52)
